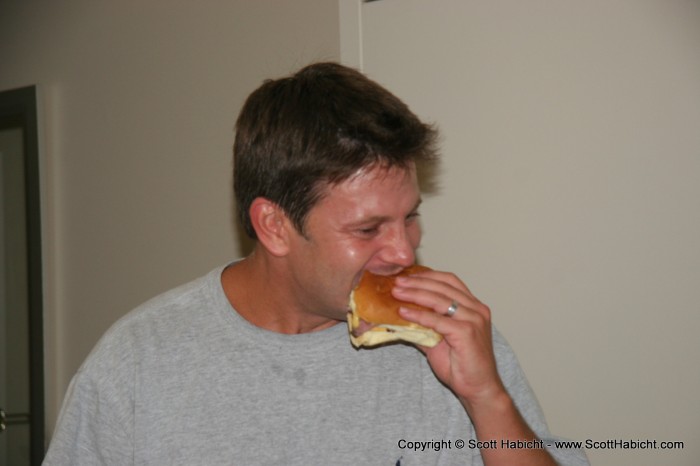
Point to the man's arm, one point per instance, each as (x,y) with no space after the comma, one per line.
(464,360)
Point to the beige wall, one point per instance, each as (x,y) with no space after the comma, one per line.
(138,102)
(570,195)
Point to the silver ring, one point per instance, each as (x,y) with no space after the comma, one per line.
(452,309)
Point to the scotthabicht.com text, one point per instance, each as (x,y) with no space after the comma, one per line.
(588,444)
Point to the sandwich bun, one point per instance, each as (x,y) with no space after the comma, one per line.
(374,313)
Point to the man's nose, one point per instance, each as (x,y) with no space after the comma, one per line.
(400,248)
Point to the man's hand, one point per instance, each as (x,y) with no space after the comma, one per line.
(464,359)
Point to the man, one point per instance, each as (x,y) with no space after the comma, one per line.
(252,363)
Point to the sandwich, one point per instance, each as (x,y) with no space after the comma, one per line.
(374,317)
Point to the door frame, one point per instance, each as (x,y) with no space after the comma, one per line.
(18,108)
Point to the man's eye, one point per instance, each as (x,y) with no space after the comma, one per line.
(369,231)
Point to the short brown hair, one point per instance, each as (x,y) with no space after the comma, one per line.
(297,134)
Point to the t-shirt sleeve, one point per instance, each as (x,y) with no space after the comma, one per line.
(524,398)
(95,426)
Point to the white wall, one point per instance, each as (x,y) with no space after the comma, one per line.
(570,195)
(138,102)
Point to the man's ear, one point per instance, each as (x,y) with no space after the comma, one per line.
(271,225)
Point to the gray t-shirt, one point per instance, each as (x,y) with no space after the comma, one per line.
(184,380)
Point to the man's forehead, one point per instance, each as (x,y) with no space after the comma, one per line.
(372,185)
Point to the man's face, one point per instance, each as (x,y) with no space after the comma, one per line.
(368,222)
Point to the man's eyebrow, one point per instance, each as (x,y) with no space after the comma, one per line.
(417,205)
(382,218)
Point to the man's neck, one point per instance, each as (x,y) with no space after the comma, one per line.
(260,294)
